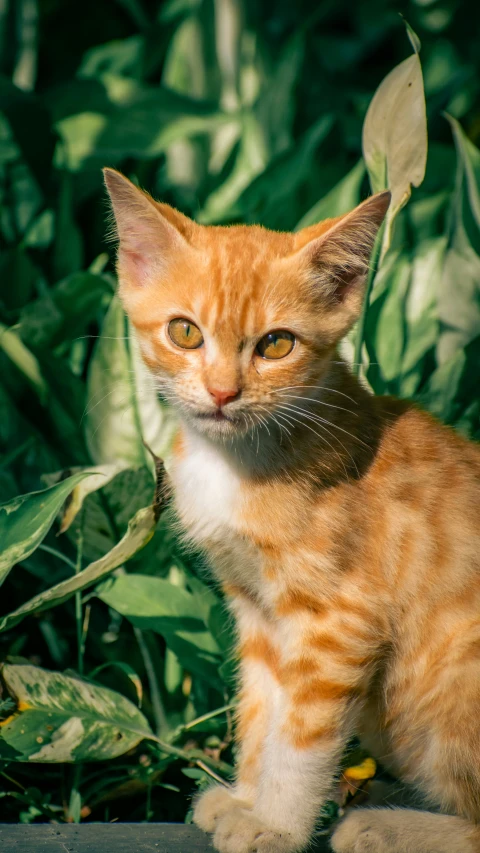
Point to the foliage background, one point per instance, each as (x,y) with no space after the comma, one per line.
(231,110)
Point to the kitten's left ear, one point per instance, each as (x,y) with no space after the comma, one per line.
(149,234)
(337,261)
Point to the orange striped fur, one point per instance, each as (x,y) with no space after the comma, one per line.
(344,528)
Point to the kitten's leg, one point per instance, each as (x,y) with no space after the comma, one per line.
(404,831)
(314,706)
(257,685)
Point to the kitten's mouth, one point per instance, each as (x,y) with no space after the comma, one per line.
(218,422)
(216,417)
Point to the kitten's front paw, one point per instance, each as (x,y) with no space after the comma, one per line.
(210,806)
(240,831)
(356,834)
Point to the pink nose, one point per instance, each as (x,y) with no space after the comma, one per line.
(222,397)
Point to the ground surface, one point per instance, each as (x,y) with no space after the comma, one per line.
(107,838)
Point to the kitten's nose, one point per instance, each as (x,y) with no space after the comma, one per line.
(222,397)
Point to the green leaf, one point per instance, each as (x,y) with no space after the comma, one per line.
(59,718)
(420,312)
(439,394)
(68,246)
(459,290)
(23,359)
(264,197)
(341,199)
(389,327)
(111,423)
(144,124)
(123,408)
(65,310)
(250,161)
(99,477)
(469,163)
(155,604)
(451,392)
(18,277)
(276,103)
(26,520)
(25,111)
(395,137)
(140,530)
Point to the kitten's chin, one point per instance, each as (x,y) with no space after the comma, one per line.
(218,425)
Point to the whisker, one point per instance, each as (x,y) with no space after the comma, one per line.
(282,428)
(314,400)
(321,437)
(263,421)
(331,424)
(319,388)
(321,423)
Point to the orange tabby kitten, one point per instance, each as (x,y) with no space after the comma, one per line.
(343,527)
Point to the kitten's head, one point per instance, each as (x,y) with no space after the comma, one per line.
(230,318)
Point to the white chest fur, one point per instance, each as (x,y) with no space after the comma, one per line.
(207,490)
(208,496)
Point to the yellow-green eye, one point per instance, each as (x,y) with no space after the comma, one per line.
(185,334)
(276,344)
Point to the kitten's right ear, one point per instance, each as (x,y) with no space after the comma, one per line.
(146,238)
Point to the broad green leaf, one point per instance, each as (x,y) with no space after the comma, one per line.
(459,289)
(117,494)
(250,161)
(41,232)
(143,123)
(127,670)
(99,477)
(341,199)
(122,57)
(469,162)
(451,392)
(58,389)
(18,275)
(221,625)
(68,253)
(276,103)
(140,530)
(59,718)
(389,327)
(395,137)
(65,310)
(158,423)
(25,111)
(421,318)
(155,604)
(26,520)
(264,198)
(22,358)
(112,428)
(439,394)
(123,408)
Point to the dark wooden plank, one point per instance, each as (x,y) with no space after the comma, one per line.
(108,838)
(104,838)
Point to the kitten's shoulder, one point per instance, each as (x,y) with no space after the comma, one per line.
(411,435)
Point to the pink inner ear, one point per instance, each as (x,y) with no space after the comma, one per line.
(346,283)
(135,266)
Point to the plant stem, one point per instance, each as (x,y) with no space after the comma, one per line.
(58,554)
(185,727)
(211,773)
(185,755)
(374,263)
(14,454)
(13,781)
(78,598)
(157,704)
